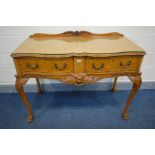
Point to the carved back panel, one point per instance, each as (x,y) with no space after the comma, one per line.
(76,34)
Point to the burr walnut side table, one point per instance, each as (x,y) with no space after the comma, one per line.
(77,58)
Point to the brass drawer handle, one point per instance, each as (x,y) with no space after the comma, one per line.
(98,68)
(32,66)
(62,68)
(125,65)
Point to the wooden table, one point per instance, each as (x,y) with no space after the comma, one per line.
(77,58)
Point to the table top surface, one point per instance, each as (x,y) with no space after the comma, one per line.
(60,45)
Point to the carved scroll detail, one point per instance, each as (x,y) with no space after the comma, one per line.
(79,79)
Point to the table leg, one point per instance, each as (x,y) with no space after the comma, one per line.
(19,87)
(38,86)
(114,89)
(136,85)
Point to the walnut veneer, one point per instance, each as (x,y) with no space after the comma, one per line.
(77,58)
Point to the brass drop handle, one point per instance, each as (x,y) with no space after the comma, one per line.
(125,65)
(98,68)
(32,66)
(60,68)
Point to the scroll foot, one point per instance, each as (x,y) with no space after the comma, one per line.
(29,119)
(125,116)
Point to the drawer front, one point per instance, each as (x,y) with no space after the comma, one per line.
(31,66)
(98,65)
(56,66)
(126,63)
(45,66)
(109,64)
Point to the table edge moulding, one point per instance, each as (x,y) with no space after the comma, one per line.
(98,56)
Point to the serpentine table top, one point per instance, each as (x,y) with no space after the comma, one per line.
(77,43)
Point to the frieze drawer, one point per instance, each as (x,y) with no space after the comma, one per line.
(102,65)
(44,66)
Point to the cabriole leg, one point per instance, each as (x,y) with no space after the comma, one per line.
(19,87)
(136,85)
(38,86)
(114,89)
